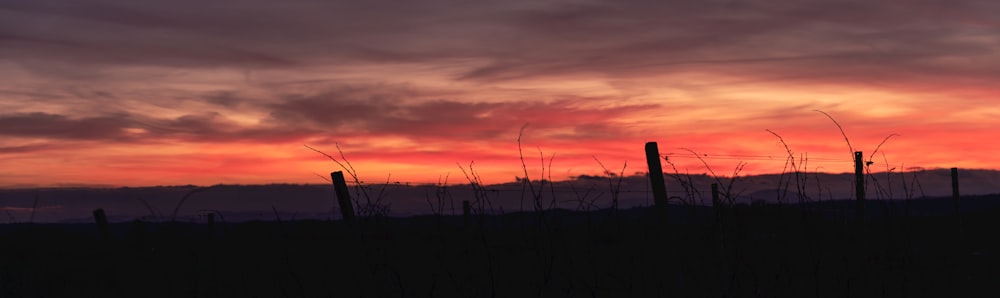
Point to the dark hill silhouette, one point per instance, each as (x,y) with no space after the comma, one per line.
(259,202)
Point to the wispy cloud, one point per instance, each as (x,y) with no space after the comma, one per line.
(166,79)
(382,111)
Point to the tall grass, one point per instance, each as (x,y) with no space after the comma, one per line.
(614,182)
(367,201)
(441,194)
(528,186)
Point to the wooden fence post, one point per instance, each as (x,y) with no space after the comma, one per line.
(954,191)
(859,183)
(102,224)
(656,177)
(343,195)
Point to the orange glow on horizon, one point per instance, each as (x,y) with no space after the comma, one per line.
(177,164)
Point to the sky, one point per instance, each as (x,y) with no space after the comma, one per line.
(166,92)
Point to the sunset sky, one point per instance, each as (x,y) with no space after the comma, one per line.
(162,92)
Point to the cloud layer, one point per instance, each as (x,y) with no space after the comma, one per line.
(197,91)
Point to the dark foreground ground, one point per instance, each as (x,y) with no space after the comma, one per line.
(767,251)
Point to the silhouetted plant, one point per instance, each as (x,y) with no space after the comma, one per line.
(173,215)
(688,183)
(685,182)
(367,203)
(799,177)
(881,193)
(614,186)
(153,213)
(528,185)
(483,205)
(482,202)
(440,195)
(582,202)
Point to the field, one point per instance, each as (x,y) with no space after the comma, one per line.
(810,250)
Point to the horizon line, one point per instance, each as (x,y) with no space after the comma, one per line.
(416,183)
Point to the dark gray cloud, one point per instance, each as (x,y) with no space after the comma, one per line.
(34,148)
(198,34)
(126,128)
(929,44)
(228,99)
(42,125)
(386,111)
(851,41)
(832,41)
(409,76)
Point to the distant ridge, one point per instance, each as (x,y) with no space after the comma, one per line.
(317,201)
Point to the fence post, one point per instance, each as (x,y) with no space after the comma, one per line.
(954,191)
(102,224)
(656,177)
(859,183)
(343,195)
